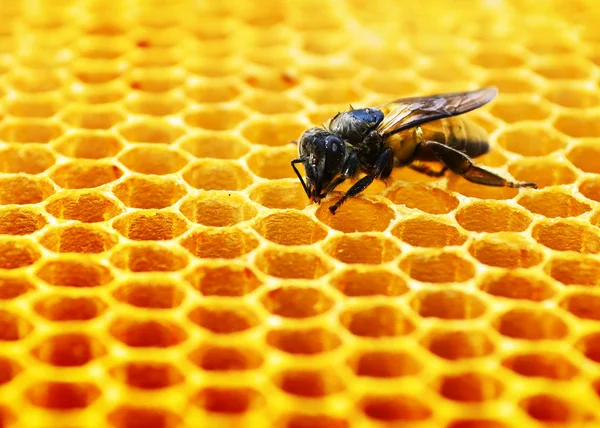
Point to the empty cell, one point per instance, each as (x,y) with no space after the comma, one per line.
(290,228)
(63,308)
(518,284)
(224,279)
(13,327)
(566,68)
(356,215)
(279,194)
(74,273)
(447,72)
(531,140)
(215,358)
(437,266)
(147,375)
(572,269)
(77,239)
(553,204)
(85,174)
(225,67)
(384,364)
(511,111)
(572,96)
(218,209)
(369,281)
(155,81)
(128,416)
(309,383)
(35,81)
(138,191)
(395,408)
(508,250)
(101,47)
(376,321)
(476,423)
(155,105)
(273,162)
(362,248)
(290,263)
(69,350)
(274,132)
(422,197)
(228,400)
(273,103)
(96,72)
(531,324)
(428,232)
(583,156)
(62,396)
(154,160)
(447,304)
(299,420)
(83,206)
(224,319)
(458,344)
(390,83)
(20,221)
(492,217)
(220,243)
(30,131)
(93,118)
(511,83)
(582,304)
(578,125)
(17,252)
(150,131)
(215,145)
(565,235)
(589,345)
(151,294)
(12,286)
(336,68)
(473,190)
(148,257)
(147,334)
(547,365)
(323,42)
(88,145)
(8,370)
(107,93)
(470,387)
(303,341)
(498,57)
(338,92)
(28,159)
(296,302)
(215,118)
(213,90)
(213,174)
(549,409)
(153,57)
(150,226)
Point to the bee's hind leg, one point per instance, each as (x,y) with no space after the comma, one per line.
(461,164)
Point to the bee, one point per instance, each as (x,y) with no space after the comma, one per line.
(403,133)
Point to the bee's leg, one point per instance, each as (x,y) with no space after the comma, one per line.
(461,164)
(383,168)
(348,170)
(294,162)
(424,169)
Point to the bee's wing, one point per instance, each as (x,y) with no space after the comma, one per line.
(410,112)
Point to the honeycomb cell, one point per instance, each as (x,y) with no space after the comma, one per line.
(492,217)
(476,423)
(550,409)
(362,248)
(299,420)
(518,284)
(137,191)
(213,174)
(22,190)
(309,383)
(222,319)
(147,375)
(583,154)
(224,279)
(8,370)
(390,84)
(148,257)
(369,281)
(128,416)
(88,144)
(344,92)
(85,174)
(156,105)
(553,204)
(437,266)
(74,273)
(511,111)
(531,140)
(470,387)
(473,190)
(213,90)
(147,334)
(356,215)
(572,96)
(458,344)
(77,239)
(12,286)
(62,308)
(395,408)
(155,131)
(574,270)
(273,162)
(422,197)
(272,80)
(508,250)
(273,132)
(93,118)
(280,194)
(220,243)
(543,172)
(35,82)
(215,145)
(511,83)
(62,395)
(215,118)
(590,188)
(17,252)
(566,68)
(13,327)
(218,209)
(69,350)
(30,131)
(384,364)
(290,228)
(589,345)
(578,125)
(376,321)
(215,358)
(296,302)
(153,160)
(546,365)
(150,226)
(273,103)
(150,294)
(20,221)
(224,400)
(428,232)
(447,304)
(531,324)
(96,72)
(28,159)
(303,341)
(291,263)
(564,235)
(155,81)
(582,304)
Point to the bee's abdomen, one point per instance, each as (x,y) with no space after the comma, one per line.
(460,133)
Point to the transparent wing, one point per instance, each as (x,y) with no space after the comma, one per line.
(410,112)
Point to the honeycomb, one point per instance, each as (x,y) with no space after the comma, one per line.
(160,265)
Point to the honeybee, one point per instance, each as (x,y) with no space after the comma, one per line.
(404,132)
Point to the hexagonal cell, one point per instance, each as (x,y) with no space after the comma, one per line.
(422,197)
(448,304)
(147,375)
(470,387)
(128,416)
(151,293)
(590,188)
(572,96)
(154,104)
(85,174)
(64,308)
(309,383)
(30,131)
(218,209)
(290,228)
(356,215)
(572,269)
(224,318)
(228,400)
(272,80)
(474,190)
(273,162)
(62,395)
(589,345)
(93,118)
(549,409)
(447,72)
(224,279)
(566,67)
(296,302)
(437,266)
(74,273)
(520,81)
(220,243)
(20,221)
(213,90)
(12,286)
(148,257)
(362,248)
(226,358)
(299,420)
(13,327)
(8,370)
(106,93)
(458,344)
(150,226)
(476,423)
(69,350)
(279,194)
(531,324)
(21,189)
(384,364)
(582,155)
(150,131)
(369,281)
(541,364)
(428,232)
(153,57)
(156,81)
(273,103)
(17,252)
(291,263)
(77,239)
(149,192)
(215,118)
(274,132)
(508,250)
(543,172)
(303,341)
(215,145)
(518,284)
(28,159)
(87,207)
(486,216)
(213,174)
(35,81)
(389,83)
(532,140)
(578,125)
(88,145)
(147,334)
(582,304)
(150,159)
(553,204)
(95,72)
(522,109)
(395,408)
(376,321)
(101,47)
(565,235)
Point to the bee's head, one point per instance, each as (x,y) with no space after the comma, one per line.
(322,154)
